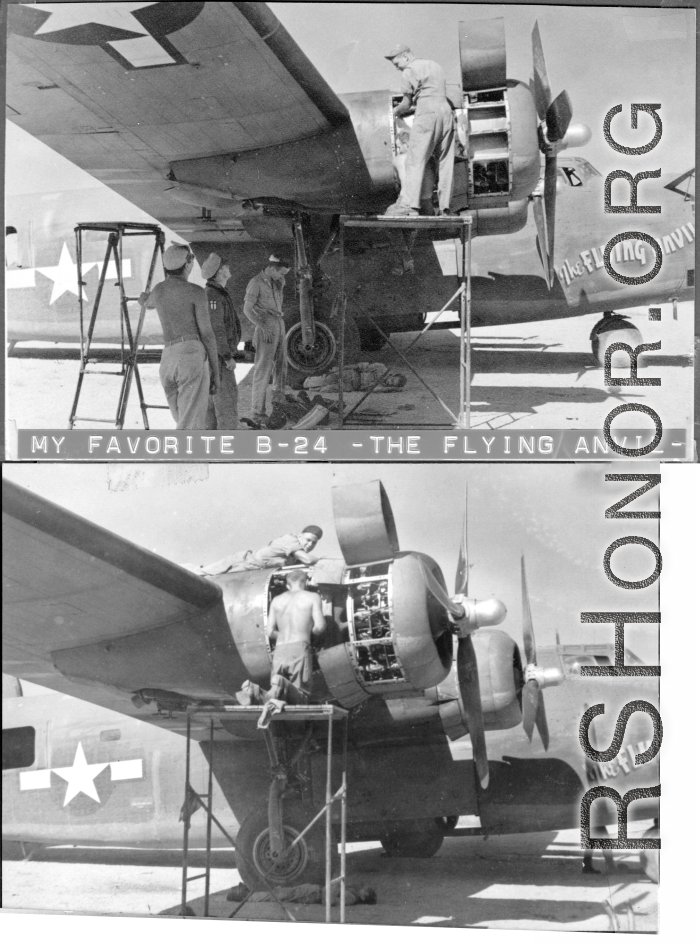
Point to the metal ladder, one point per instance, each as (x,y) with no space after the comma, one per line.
(130,337)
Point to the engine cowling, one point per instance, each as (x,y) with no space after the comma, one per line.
(393,639)
(500,684)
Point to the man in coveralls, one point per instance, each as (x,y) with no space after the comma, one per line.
(263,306)
(189,366)
(284,551)
(432,134)
(223,406)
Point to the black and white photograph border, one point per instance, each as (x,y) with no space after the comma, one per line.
(106,609)
(539,321)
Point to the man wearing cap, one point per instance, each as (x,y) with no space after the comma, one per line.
(223,405)
(423,87)
(286,551)
(263,306)
(189,367)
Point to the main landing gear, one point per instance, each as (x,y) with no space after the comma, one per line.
(313,330)
(304,864)
(611,328)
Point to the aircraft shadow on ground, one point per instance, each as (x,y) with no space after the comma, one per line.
(111,855)
(406,890)
(527,399)
(487,361)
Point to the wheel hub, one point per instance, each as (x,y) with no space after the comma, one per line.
(283,868)
(311,358)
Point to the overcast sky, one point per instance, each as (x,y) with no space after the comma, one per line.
(554,513)
(602,56)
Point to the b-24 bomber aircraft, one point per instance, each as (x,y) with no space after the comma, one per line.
(431,735)
(210,118)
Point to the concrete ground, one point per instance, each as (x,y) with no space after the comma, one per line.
(539,375)
(510,882)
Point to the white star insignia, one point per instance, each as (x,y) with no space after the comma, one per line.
(80,776)
(64,275)
(67,15)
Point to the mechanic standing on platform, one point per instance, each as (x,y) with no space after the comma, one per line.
(189,367)
(294,617)
(223,405)
(432,134)
(263,306)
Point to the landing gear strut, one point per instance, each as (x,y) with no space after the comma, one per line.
(311,346)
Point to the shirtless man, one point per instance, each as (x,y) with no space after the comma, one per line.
(294,617)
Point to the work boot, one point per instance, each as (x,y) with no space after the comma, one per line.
(256,421)
(250,694)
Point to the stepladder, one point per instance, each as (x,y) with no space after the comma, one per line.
(126,368)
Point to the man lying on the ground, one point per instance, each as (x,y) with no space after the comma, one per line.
(306,894)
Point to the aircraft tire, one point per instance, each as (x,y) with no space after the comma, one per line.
(319,358)
(609,331)
(298,372)
(306,863)
(649,858)
(420,839)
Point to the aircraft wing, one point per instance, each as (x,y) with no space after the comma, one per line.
(90,614)
(123,90)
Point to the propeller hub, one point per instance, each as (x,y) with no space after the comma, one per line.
(478,613)
(543,678)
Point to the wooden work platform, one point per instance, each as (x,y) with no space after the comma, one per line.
(289,713)
(406,222)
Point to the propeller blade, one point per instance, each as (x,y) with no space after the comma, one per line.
(550,206)
(528,632)
(541,224)
(436,590)
(542,90)
(468,677)
(462,575)
(531,700)
(558,117)
(541,721)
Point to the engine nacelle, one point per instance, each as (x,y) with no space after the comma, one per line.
(500,684)
(385,635)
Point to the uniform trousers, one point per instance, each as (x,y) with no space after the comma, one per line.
(432,134)
(270,363)
(294,662)
(184,374)
(223,406)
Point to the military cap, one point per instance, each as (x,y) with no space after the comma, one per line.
(397,50)
(211,266)
(175,256)
(313,529)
